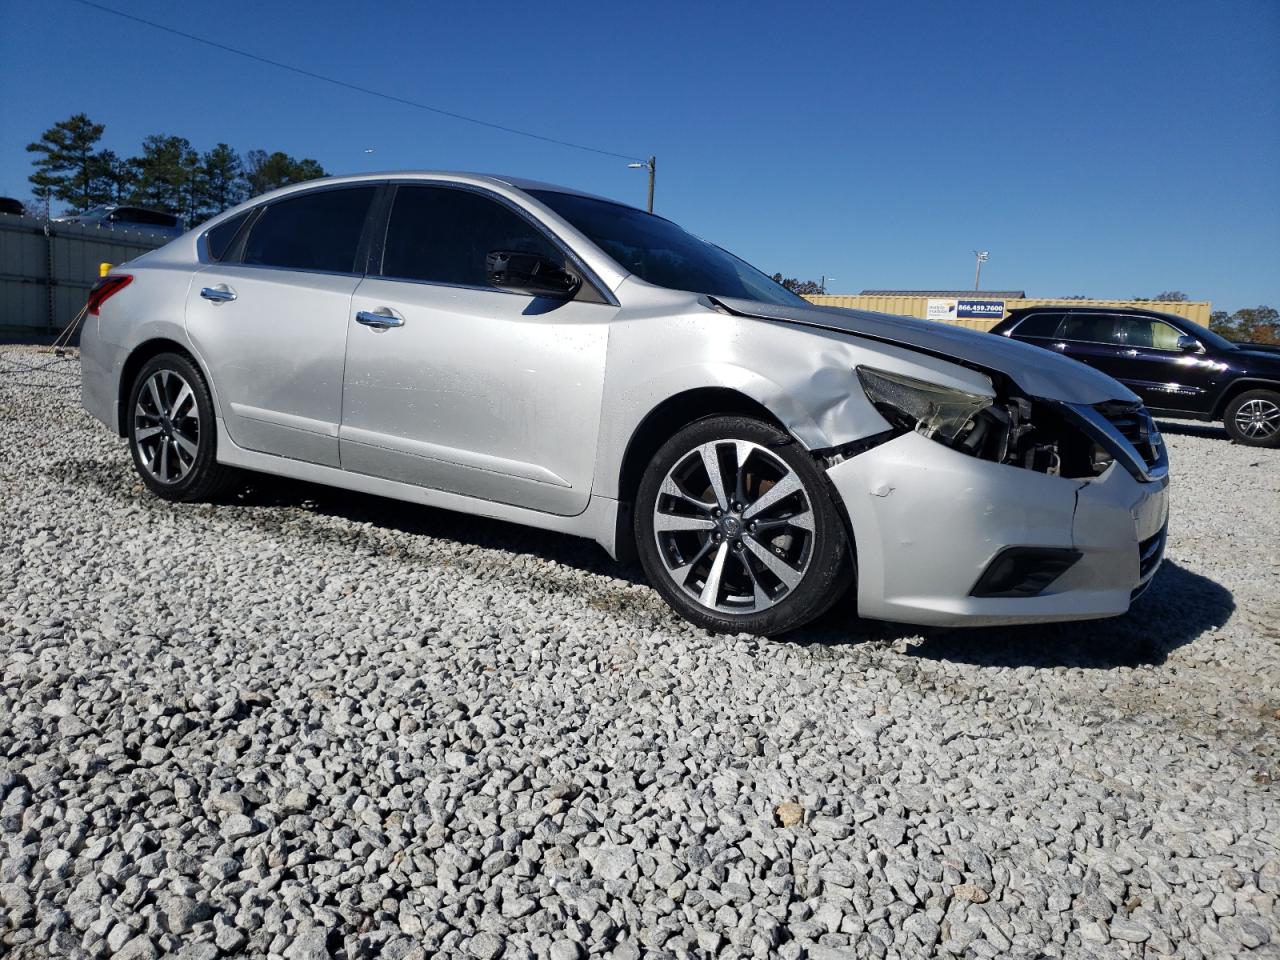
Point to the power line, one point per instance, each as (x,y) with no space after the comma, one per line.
(349,86)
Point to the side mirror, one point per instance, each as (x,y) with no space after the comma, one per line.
(531,274)
(1189,344)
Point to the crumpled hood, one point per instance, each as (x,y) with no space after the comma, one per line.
(1037,371)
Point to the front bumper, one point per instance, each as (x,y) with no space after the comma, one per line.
(928,520)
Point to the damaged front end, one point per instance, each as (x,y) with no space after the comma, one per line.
(1073,441)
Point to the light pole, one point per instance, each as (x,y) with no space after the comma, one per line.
(823,282)
(652,166)
(982,256)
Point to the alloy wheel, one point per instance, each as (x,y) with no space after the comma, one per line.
(734,526)
(1258,418)
(166,426)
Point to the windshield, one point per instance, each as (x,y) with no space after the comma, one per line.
(659,252)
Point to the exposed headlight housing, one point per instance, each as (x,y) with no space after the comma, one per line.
(935,411)
(1015,430)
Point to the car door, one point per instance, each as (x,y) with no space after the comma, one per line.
(270,321)
(468,388)
(1091,338)
(1164,376)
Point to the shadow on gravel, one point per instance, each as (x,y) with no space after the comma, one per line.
(1185,429)
(395,515)
(1178,608)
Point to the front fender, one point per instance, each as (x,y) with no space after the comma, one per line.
(803,376)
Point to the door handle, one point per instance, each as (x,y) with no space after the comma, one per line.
(218,294)
(379,321)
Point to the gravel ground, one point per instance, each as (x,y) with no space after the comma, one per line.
(304,723)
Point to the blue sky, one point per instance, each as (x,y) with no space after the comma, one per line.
(1099,148)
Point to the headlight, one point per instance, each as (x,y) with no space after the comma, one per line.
(937,412)
(1007,428)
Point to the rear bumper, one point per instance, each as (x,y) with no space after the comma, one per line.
(927,521)
(100,364)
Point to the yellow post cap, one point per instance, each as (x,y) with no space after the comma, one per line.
(104,268)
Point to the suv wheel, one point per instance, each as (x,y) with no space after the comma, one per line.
(1253,418)
(171,431)
(737,529)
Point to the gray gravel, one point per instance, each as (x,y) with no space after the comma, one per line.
(308,724)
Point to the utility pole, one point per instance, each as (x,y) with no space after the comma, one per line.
(652,166)
(982,257)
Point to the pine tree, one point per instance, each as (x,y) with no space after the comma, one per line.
(220,182)
(66,170)
(166,175)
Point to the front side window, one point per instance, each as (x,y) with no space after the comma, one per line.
(444,235)
(1090,328)
(319,230)
(661,253)
(1149,332)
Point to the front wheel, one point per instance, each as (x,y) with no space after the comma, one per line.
(171,431)
(737,529)
(1253,418)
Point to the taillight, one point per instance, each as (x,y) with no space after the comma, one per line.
(105,288)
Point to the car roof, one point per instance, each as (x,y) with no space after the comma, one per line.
(1059,307)
(454,176)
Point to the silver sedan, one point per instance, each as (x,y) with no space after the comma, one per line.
(528,352)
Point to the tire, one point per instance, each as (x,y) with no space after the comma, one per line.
(171,431)
(1253,418)
(774,531)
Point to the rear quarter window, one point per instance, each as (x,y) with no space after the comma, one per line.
(219,239)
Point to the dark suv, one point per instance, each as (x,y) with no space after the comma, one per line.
(1177,367)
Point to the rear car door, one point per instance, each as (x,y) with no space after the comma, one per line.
(474,390)
(270,320)
(1092,338)
(1155,369)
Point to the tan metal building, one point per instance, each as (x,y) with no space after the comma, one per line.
(987,308)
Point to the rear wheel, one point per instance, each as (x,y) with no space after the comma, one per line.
(737,529)
(171,431)
(1253,418)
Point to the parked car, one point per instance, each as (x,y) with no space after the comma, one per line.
(115,217)
(1177,367)
(11,206)
(522,351)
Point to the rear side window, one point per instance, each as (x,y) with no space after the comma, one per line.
(219,239)
(1039,325)
(319,230)
(443,235)
(1090,328)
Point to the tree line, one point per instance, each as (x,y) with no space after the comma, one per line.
(169,174)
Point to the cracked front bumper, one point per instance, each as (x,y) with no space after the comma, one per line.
(927,521)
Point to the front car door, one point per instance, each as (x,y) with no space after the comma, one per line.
(270,319)
(1164,376)
(473,390)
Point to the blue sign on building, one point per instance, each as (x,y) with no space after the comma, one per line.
(980,309)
